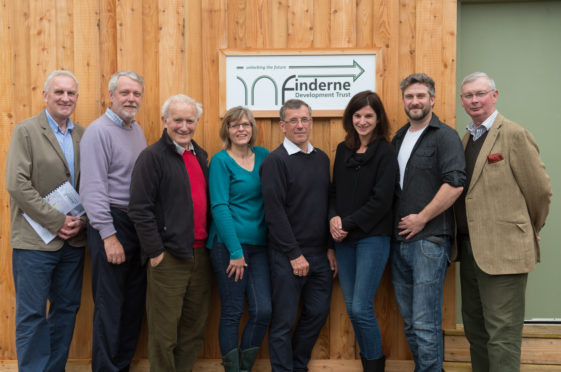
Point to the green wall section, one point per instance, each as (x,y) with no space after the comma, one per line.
(519,45)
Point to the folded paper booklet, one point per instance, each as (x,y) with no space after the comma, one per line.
(66,200)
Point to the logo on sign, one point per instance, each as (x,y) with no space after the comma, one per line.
(326,82)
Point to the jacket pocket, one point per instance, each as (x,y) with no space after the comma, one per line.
(423,158)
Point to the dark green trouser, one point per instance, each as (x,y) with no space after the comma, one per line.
(177,304)
(493,314)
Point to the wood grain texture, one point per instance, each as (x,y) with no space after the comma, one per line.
(7,122)
(19,49)
(65,34)
(87,61)
(364,25)
(151,73)
(107,48)
(213,365)
(237,24)
(42,44)
(193,56)
(300,23)
(314,366)
(174,45)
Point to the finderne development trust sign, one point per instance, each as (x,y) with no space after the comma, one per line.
(264,80)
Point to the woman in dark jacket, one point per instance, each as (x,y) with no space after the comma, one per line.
(364,176)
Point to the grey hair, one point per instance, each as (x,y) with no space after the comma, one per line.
(294,104)
(476,75)
(56,73)
(181,98)
(418,78)
(114,79)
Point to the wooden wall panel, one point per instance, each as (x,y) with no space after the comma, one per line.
(20,47)
(64,17)
(174,44)
(151,74)
(7,121)
(107,48)
(86,59)
(193,53)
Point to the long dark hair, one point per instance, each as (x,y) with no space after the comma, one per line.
(366,98)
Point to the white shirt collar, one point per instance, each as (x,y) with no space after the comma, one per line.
(478,131)
(292,149)
(180,149)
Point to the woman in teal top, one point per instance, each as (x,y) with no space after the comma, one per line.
(237,239)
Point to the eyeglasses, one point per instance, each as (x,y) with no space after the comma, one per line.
(239,125)
(476,94)
(294,121)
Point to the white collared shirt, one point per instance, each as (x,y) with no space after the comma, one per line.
(180,149)
(478,131)
(292,149)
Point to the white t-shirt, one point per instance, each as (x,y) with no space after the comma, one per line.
(405,150)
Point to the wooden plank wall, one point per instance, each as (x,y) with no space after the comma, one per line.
(174,44)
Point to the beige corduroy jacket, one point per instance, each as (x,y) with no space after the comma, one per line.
(507,201)
(35,166)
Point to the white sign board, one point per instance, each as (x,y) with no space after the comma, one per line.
(325,81)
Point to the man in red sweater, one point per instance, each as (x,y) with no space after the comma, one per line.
(169,204)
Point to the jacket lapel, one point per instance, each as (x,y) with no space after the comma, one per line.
(48,133)
(76,143)
(485,149)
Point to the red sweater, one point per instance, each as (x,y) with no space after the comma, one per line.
(199,195)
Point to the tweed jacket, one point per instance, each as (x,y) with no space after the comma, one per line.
(507,201)
(35,166)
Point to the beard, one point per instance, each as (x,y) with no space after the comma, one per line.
(418,116)
(127,112)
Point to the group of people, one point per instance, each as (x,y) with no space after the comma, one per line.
(280,231)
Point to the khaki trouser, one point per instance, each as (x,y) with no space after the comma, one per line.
(493,315)
(177,304)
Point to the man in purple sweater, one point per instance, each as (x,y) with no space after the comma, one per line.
(108,151)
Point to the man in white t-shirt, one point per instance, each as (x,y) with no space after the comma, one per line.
(432,177)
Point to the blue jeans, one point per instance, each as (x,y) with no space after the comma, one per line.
(255,286)
(42,339)
(418,271)
(361,264)
(292,352)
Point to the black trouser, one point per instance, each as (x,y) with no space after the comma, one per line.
(314,291)
(119,296)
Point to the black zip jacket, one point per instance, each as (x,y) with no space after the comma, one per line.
(160,204)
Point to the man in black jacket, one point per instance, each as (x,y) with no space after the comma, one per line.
(295,183)
(169,207)
(432,170)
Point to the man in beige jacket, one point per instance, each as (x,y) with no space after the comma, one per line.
(44,154)
(498,216)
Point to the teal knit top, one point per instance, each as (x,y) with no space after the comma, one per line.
(236,203)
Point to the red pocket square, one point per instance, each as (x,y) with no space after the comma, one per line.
(494,158)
